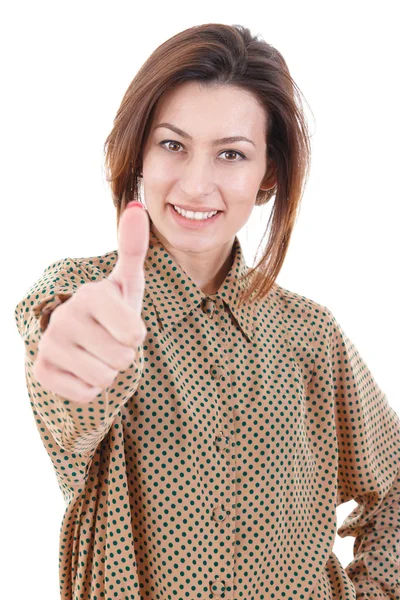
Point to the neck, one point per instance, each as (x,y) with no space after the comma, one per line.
(207,269)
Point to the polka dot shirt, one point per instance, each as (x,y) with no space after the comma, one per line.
(212,467)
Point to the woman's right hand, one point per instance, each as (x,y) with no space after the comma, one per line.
(95,333)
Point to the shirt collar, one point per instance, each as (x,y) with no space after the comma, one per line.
(174,294)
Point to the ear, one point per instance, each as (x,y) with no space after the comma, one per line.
(270,178)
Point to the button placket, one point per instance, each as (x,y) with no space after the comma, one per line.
(218,586)
(221,584)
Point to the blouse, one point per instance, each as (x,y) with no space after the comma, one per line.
(212,467)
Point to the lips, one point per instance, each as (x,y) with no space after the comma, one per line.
(191,224)
(203,210)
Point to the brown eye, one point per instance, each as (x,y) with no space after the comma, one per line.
(236,152)
(169,142)
(232,152)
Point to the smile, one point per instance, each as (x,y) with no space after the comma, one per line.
(193,223)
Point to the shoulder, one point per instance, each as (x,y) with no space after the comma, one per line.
(295,326)
(294,303)
(93,267)
(73,271)
(299,313)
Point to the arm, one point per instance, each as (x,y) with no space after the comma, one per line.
(70,431)
(368,432)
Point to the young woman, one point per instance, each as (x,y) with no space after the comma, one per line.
(204,422)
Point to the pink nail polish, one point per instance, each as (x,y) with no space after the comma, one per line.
(133,203)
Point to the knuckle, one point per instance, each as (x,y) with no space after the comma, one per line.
(129,357)
(46,348)
(138,334)
(60,319)
(40,371)
(136,339)
(86,288)
(104,378)
(83,394)
(123,360)
(37,371)
(43,342)
(108,379)
(112,377)
(90,395)
(83,397)
(84,294)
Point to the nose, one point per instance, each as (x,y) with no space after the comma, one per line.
(196,178)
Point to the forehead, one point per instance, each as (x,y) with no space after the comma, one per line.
(211,111)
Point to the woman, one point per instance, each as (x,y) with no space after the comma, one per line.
(213,466)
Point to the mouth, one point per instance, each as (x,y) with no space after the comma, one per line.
(191,209)
(193,223)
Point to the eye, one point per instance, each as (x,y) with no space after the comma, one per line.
(243,157)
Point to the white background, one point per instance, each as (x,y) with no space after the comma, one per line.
(65,68)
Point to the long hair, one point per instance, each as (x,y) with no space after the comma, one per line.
(209,54)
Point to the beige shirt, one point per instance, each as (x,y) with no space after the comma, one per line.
(212,467)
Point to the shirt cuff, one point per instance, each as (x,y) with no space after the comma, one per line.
(44,310)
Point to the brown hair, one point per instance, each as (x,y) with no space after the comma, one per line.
(220,54)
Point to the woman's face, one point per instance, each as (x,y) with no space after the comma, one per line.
(190,169)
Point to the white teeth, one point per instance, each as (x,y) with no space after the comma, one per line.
(194,215)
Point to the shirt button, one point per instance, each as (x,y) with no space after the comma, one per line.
(219,514)
(222,442)
(208,306)
(216,371)
(217,588)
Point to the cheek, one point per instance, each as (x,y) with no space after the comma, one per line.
(156,172)
(158,179)
(240,192)
(240,200)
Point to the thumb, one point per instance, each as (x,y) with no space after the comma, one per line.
(133,243)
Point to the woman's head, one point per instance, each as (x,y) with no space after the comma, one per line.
(213,81)
(199,174)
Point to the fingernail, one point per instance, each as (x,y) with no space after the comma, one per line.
(133,203)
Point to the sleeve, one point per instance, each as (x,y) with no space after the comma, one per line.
(368,434)
(70,431)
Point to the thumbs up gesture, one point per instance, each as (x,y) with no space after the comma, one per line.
(95,333)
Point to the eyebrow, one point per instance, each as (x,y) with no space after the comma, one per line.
(225,140)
